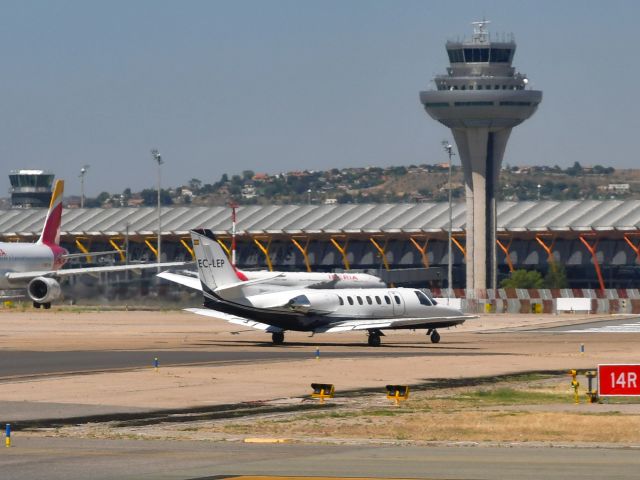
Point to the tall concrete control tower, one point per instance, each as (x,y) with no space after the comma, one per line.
(481,98)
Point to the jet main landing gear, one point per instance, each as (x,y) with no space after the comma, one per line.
(374,338)
(277,338)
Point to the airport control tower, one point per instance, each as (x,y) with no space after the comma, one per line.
(481,98)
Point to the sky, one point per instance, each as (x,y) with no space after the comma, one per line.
(279,85)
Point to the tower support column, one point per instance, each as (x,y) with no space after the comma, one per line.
(481,151)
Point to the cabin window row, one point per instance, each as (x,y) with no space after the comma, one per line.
(361,300)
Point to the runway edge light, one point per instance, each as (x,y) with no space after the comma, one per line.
(575,384)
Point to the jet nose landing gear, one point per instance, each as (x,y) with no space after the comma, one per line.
(435,336)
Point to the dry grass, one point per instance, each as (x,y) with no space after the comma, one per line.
(538,410)
(502,414)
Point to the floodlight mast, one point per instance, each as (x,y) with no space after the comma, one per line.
(83,172)
(449,149)
(158,158)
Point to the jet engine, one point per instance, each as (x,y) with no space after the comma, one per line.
(43,290)
(314,303)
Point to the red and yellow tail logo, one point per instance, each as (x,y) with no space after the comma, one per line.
(51,231)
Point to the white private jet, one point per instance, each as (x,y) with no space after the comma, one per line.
(37,266)
(311,310)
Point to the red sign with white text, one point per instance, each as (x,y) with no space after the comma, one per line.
(618,380)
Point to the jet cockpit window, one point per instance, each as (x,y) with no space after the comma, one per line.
(424,300)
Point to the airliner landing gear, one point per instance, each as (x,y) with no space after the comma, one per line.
(374,338)
(277,338)
(435,336)
(46,306)
(36,305)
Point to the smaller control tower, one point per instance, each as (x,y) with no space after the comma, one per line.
(30,188)
(481,98)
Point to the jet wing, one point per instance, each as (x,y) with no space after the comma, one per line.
(390,323)
(191,282)
(18,276)
(236,320)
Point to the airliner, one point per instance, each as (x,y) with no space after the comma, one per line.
(371,310)
(38,266)
(285,280)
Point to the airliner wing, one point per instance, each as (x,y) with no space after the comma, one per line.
(236,320)
(390,323)
(18,276)
(90,254)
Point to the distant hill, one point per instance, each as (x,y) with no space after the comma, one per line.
(413,183)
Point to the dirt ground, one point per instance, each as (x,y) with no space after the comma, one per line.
(488,346)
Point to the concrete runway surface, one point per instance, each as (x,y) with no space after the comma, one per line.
(68,458)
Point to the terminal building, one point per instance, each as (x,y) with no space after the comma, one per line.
(598,242)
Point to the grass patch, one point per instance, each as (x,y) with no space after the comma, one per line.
(510,396)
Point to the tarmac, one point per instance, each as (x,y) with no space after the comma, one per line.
(103,360)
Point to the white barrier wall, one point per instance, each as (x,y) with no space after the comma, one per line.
(573,304)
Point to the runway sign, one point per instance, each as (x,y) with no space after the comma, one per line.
(618,380)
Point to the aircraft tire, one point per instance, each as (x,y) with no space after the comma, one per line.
(46,306)
(277,338)
(435,337)
(36,305)
(373,340)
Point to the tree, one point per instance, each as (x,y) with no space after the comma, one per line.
(523,279)
(150,197)
(248,174)
(195,185)
(556,277)
(575,170)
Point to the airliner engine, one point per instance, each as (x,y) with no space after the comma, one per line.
(43,290)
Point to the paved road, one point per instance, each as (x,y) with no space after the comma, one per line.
(67,458)
(25,363)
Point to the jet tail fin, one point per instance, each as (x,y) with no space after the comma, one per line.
(51,231)
(214,268)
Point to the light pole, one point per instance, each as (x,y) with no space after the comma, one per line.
(83,172)
(309,197)
(158,158)
(539,187)
(449,149)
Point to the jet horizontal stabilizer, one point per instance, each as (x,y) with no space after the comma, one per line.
(236,320)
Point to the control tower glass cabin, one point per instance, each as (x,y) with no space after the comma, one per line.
(481,98)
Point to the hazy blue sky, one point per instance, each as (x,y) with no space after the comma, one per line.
(225,86)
